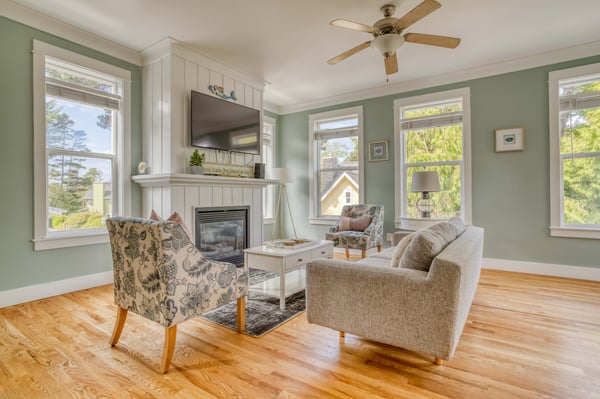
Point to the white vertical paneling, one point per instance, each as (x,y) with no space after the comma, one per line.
(156,112)
(156,200)
(179,110)
(166,205)
(191,200)
(227,199)
(217,196)
(240,92)
(166,109)
(237,196)
(257,101)
(228,85)
(216,78)
(177,200)
(247,196)
(191,83)
(203,79)
(206,196)
(147,117)
(257,219)
(249,97)
(147,204)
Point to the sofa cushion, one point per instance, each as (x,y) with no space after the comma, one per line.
(426,244)
(458,223)
(400,248)
(354,224)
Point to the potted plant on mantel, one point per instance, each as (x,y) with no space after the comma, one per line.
(196,161)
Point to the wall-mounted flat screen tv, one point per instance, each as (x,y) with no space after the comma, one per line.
(223,125)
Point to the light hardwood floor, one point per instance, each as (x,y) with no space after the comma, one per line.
(526,337)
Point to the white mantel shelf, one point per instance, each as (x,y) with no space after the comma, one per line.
(183,179)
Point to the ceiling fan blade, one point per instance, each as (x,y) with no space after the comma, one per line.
(344,23)
(391,64)
(432,40)
(348,53)
(416,14)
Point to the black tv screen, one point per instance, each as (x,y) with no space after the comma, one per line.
(223,125)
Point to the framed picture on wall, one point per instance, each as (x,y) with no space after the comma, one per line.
(378,151)
(510,139)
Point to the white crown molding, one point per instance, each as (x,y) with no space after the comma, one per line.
(40,21)
(534,61)
(45,290)
(544,269)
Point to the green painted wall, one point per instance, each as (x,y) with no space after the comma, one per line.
(20,266)
(510,190)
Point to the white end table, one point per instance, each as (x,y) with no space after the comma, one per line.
(284,260)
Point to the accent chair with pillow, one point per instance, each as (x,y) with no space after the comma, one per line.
(160,275)
(416,295)
(359,227)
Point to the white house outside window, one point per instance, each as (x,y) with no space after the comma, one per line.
(433,134)
(79,113)
(268,157)
(336,162)
(574,95)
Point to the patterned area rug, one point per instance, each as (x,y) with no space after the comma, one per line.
(262,312)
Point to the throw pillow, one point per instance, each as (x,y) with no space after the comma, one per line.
(427,244)
(400,248)
(175,217)
(458,223)
(354,224)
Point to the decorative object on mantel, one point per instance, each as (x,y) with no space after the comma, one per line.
(142,168)
(196,161)
(425,182)
(510,139)
(284,175)
(218,91)
(378,151)
(229,170)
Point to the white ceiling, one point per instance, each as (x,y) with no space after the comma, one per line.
(287,42)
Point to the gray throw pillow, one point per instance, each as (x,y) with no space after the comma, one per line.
(400,248)
(427,244)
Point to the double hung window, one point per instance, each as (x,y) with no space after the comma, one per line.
(336,162)
(433,134)
(574,96)
(79,112)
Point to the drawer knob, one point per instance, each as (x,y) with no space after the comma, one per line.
(300,260)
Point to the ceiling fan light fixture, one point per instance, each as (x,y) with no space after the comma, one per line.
(387,44)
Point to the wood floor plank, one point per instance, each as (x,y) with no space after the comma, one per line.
(527,336)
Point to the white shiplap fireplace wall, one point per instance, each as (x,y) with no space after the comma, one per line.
(171,72)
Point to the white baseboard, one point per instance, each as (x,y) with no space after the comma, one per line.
(45,290)
(544,269)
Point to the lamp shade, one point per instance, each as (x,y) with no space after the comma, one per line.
(425,181)
(388,43)
(283,174)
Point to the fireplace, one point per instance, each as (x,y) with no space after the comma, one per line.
(222,232)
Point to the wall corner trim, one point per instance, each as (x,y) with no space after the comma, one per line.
(39,291)
(544,269)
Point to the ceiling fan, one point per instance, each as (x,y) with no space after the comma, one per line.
(388,34)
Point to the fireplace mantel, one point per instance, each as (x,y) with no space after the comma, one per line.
(182,179)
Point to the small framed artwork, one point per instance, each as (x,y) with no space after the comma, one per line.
(510,139)
(378,150)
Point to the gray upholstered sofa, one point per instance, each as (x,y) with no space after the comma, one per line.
(423,311)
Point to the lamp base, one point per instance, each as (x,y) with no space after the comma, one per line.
(425,205)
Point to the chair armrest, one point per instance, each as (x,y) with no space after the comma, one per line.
(334,229)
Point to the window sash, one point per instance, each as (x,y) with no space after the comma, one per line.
(81,94)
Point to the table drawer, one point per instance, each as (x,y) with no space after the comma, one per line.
(298,259)
(264,262)
(325,252)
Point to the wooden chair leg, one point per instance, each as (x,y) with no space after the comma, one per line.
(379,248)
(347,252)
(342,334)
(170,337)
(363,253)
(241,313)
(119,323)
(438,361)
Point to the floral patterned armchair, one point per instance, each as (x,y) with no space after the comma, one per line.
(371,236)
(159,274)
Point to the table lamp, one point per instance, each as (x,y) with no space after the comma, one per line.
(425,182)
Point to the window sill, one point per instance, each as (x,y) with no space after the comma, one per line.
(324,221)
(65,241)
(268,220)
(574,232)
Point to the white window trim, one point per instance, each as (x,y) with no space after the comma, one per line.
(273,122)
(399,190)
(122,196)
(313,166)
(557,229)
